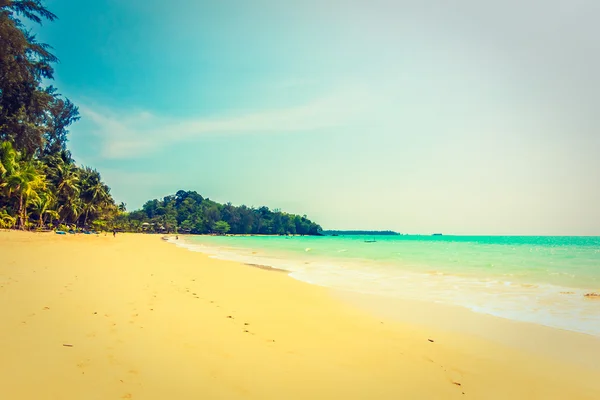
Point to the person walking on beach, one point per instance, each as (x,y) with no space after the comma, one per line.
(114,233)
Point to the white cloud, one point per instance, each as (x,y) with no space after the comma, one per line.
(126,135)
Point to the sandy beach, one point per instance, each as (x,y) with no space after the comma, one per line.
(134,317)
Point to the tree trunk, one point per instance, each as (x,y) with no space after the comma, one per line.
(21,213)
(86,217)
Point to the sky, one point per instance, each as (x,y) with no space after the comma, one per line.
(463,117)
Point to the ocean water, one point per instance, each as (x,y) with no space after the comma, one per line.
(527,278)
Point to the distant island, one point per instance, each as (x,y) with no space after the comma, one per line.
(342,233)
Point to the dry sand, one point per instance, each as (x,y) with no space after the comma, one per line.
(133,317)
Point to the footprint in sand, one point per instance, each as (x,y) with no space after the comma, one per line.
(454,376)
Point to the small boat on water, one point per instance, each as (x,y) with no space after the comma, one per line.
(370,241)
(437,234)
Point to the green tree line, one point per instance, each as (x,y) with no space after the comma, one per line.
(40,185)
(189,212)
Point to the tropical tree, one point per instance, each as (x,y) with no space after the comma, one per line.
(25,182)
(94,193)
(6,220)
(70,210)
(37,172)
(66,180)
(24,64)
(221,227)
(43,205)
(8,161)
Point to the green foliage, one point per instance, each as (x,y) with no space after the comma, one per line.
(34,118)
(63,227)
(221,227)
(6,221)
(189,212)
(39,182)
(50,190)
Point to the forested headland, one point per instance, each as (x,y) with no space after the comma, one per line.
(41,186)
(189,212)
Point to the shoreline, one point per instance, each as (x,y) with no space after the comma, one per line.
(152,321)
(578,299)
(462,320)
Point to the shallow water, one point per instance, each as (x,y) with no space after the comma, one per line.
(536,279)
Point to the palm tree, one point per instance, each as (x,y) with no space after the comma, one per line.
(94,192)
(43,205)
(21,178)
(71,209)
(52,214)
(25,182)
(8,161)
(6,220)
(122,207)
(66,179)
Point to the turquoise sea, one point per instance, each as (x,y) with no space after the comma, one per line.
(527,278)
